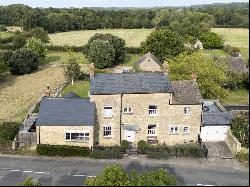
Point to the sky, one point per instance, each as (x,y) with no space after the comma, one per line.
(112,3)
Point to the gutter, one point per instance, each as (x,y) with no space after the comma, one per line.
(121,119)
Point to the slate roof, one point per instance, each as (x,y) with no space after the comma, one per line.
(237,64)
(117,83)
(219,118)
(186,92)
(66,112)
(72,95)
(148,55)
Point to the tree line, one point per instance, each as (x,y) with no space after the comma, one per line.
(66,19)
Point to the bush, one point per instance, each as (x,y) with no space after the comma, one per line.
(240,129)
(211,40)
(62,150)
(72,70)
(115,175)
(29,182)
(243,157)
(37,46)
(101,53)
(163,44)
(124,144)
(3,28)
(23,61)
(142,145)
(8,130)
(107,152)
(237,80)
(5,146)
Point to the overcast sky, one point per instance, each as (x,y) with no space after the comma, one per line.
(112,3)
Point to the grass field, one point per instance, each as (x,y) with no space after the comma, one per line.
(55,57)
(132,37)
(237,97)
(19,93)
(81,88)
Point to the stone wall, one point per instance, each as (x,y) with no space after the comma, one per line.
(149,65)
(55,135)
(232,142)
(167,116)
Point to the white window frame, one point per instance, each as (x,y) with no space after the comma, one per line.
(187,130)
(107,129)
(175,131)
(82,138)
(187,110)
(108,112)
(152,112)
(128,110)
(152,131)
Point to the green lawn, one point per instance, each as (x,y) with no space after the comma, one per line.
(81,88)
(6,34)
(63,57)
(132,37)
(214,52)
(237,97)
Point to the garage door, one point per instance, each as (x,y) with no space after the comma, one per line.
(214,133)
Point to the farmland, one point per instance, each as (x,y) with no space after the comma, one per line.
(132,37)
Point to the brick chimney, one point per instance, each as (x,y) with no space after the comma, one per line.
(194,76)
(47,92)
(92,70)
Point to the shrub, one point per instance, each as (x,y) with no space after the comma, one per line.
(3,28)
(107,152)
(8,130)
(115,175)
(23,61)
(37,46)
(240,129)
(5,146)
(142,145)
(29,182)
(124,144)
(237,80)
(62,150)
(163,44)
(211,40)
(72,70)
(101,53)
(243,157)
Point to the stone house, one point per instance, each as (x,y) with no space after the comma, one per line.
(145,106)
(149,63)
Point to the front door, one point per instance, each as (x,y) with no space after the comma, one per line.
(129,135)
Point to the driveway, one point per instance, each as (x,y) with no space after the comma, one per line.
(218,150)
(73,171)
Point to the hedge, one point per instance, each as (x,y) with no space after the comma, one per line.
(101,152)
(62,150)
(179,150)
(8,130)
(5,146)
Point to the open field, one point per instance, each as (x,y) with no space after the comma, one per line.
(237,97)
(55,57)
(18,93)
(81,88)
(132,37)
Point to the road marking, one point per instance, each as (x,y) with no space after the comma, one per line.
(27,171)
(39,172)
(91,176)
(79,175)
(15,170)
(204,185)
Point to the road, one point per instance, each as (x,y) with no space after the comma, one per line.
(72,172)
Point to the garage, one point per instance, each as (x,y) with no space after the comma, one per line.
(214,133)
(216,121)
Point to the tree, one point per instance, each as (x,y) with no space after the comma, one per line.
(29,182)
(23,61)
(101,53)
(115,175)
(39,33)
(211,74)
(72,70)
(163,44)
(117,43)
(37,46)
(211,40)
(4,56)
(240,129)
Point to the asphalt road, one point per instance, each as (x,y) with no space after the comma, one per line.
(72,172)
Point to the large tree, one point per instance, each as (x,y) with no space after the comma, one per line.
(72,70)
(163,44)
(101,53)
(37,46)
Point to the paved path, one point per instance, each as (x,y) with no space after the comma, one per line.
(218,150)
(73,171)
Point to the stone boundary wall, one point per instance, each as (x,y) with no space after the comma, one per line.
(233,143)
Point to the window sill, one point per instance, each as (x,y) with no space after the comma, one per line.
(76,141)
(152,115)
(107,117)
(174,133)
(107,136)
(127,113)
(186,133)
(187,114)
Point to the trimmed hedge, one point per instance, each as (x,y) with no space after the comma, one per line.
(101,152)
(62,150)
(179,150)
(8,131)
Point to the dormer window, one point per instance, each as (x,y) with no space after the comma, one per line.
(187,110)
(152,111)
